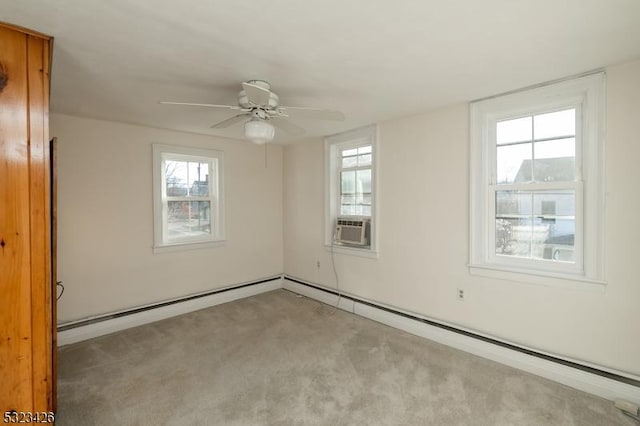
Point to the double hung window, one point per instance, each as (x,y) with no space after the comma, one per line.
(350,159)
(536,181)
(187,196)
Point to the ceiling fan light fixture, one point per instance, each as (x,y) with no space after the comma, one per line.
(259,131)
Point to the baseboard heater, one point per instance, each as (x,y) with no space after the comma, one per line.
(81,323)
(586,368)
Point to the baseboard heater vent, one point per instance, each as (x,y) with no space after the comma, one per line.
(602,373)
(64,327)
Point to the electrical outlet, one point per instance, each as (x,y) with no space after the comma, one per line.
(318,264)
(460,294)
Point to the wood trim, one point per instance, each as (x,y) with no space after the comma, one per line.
(25,31)
(26,323)
(53,173)
(3,77)
(39,225)
(15,280)
(50,285)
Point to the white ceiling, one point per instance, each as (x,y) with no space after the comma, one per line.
(372,59)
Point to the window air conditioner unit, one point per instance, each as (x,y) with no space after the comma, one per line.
(353,231)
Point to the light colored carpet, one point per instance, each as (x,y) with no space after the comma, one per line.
(280,359)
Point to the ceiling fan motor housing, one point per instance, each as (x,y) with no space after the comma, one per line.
(243,99)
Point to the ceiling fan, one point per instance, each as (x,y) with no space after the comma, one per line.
(261,111)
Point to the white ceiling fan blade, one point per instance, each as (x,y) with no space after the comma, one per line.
(257,95)
(230,121)
(287,126)
(322,114)
(234,107)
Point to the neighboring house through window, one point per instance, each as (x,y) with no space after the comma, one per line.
(350,188)
(188,202)
(536,182)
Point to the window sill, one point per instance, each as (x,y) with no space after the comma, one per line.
(188,246)
(548,279)
(352,251)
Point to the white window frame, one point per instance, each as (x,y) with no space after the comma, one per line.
(215,159)
(334,145)
(587,95)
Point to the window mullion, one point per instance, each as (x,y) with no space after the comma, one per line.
(491,223)
(194,198)
(349,169)
(536,186)
(533,148)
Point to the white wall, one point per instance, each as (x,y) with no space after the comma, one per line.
(424,234)
(105,218)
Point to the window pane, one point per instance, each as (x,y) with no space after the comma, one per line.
(348,199)
(555,124)
(536,225)
(349,162)
(183,178)
(556,241)
(554,212)
(348,182)
(554,204)
(513,223)
(555,160)
(513,237)
(511,204)
(356,157)
(364,155)
(348,210)
(188,219)
(355,198)
(518,130)
(363,178)
(199,179)
(364,160)
(513,163)
(556,148)
(355,209)
(176,178)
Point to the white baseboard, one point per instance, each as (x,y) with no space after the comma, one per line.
(573,377)
(112,325)
(319,295)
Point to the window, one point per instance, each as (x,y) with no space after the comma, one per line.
(351,173)
(536,182)
(355,180)
(188,202)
